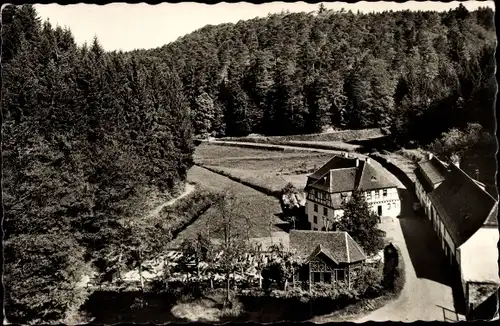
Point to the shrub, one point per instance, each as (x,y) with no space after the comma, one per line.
(399,277)
(416,155)
(369,280)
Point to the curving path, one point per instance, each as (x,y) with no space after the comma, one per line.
(188,190)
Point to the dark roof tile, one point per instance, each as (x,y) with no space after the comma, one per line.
(463,205)
(337,162)
(339,245)
(346,179)
(371,178)
(430,173)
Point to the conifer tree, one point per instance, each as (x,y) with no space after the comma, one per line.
(361,223)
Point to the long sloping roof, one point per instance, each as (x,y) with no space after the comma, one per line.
(430,173)
(338,245)
(336,162)
(462,204)
(371,178)
(364,176)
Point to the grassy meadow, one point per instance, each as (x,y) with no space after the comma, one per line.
(269,171)
(260,209)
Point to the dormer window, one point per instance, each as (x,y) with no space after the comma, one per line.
(373,178)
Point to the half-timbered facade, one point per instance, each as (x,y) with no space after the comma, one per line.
(332,185)
(328,257)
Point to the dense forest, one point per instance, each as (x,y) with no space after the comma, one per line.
(89,135)
(293,73)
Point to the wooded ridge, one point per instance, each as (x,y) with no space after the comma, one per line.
(90,136)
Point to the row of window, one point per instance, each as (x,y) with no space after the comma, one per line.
(325,210)
(320,194)
(377,194)
(329,277)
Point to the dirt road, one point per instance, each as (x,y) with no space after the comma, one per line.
(427,294)
(188,190)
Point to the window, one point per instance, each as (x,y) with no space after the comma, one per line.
(368,195)
(315,207)
(384,192)
(389,206)
(327,277)
(316,277)
(377,194)
(340,275)
(315,220)
(325,211)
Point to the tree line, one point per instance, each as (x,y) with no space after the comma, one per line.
(294,73)
(88,136)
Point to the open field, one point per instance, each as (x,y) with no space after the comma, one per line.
(335,145)
(214,151)
(270,183)
(336,136)
(268,171)
(318,144)
(259,208)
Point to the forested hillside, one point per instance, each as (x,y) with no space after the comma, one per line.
(294,73)
(88,138)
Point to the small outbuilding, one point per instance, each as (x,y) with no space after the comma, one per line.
(328,257)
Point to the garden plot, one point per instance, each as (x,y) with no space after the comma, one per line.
(181,271)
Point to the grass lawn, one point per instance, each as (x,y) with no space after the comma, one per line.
(334,145)
(343,136)
(270,182)
(268,170)
(258,207)
(213,151)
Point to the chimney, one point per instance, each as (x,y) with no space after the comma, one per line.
(346,154)
(367,160)
(357,162)
(430,156)
(476,174)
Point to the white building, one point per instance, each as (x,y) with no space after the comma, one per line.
(332,184)
(464,217)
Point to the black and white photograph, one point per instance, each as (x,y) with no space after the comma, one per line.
(239,162)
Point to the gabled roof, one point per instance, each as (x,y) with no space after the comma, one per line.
(339,180)
(463,205)
(320,249)
(339,246)
(371,178)
(364,176)
(430,173)
(337,162)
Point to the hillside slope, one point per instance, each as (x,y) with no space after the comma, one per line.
(295,73)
